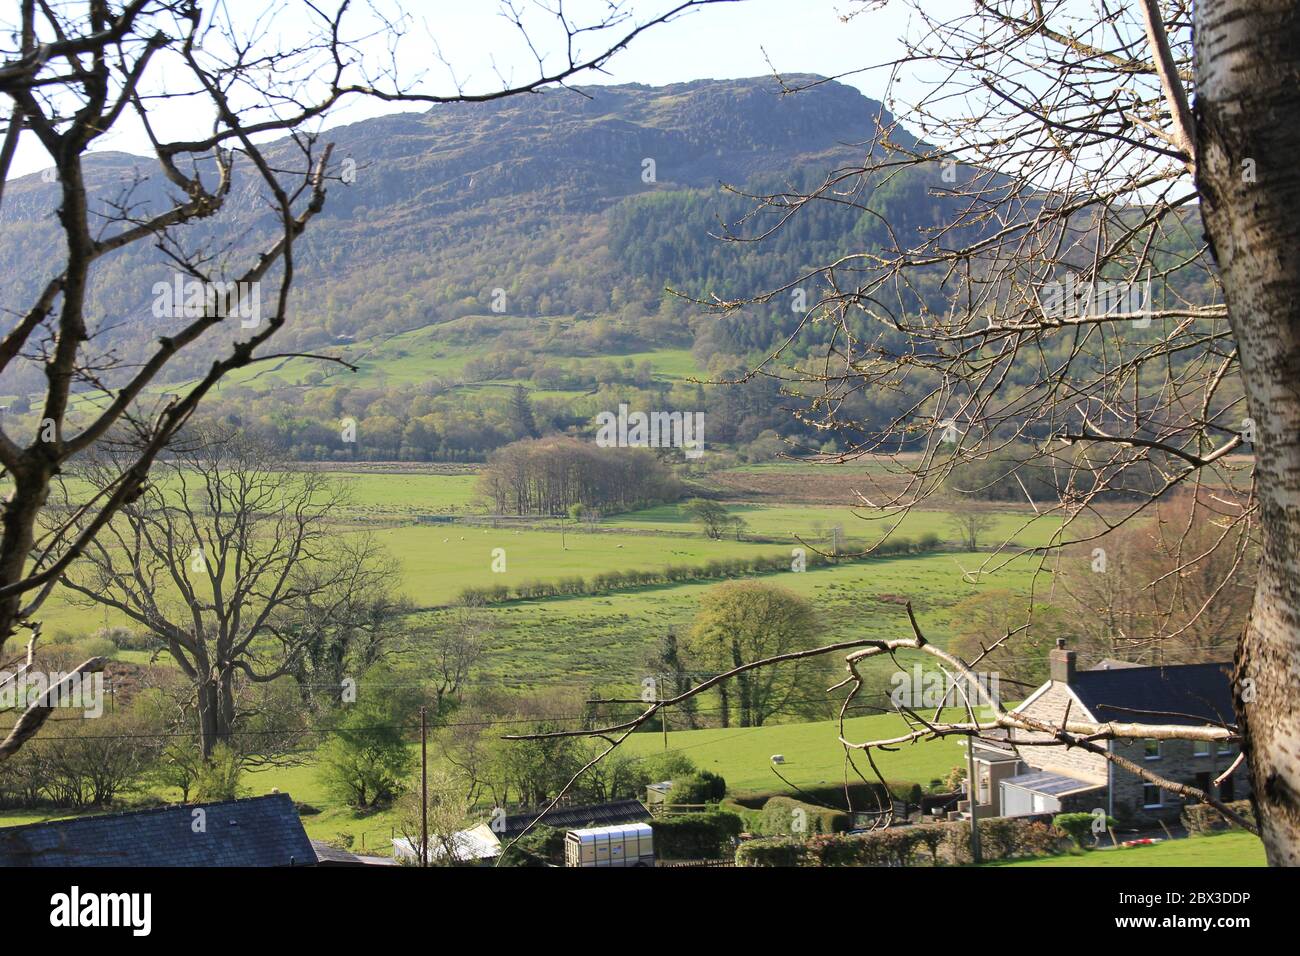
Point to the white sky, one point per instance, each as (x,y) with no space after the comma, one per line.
(727,41)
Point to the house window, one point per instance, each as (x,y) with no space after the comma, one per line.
(1152,796)
(1152,750)
(1201,748)
(1225,748)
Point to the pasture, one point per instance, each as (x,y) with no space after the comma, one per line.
(813,754)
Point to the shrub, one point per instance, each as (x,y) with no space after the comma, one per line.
(695,836)
(1079,826)
(926,845)
(217,778)
(1203,818)
(782,852)
(785,816)
(700,787)
(1004,838)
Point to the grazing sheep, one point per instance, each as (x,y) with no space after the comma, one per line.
(778,758)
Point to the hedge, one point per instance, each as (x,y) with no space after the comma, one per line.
(931,844)
(786,816)
(862,796)
(1203,818)
(695,836)
(607,581)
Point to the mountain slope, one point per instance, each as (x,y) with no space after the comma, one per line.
(452,204)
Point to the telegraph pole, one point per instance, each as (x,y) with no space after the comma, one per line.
(973,795)
(663,714)
(424,789)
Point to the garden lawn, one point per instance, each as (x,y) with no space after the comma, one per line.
(1234,848)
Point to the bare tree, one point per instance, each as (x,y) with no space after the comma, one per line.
(971,525)
(73,72)
(452,651)
(235,563)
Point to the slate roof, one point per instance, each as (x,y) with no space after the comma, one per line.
(327,855)
(1169,694)
(572,818)
(257,831)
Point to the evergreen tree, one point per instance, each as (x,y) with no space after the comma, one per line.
(521,414)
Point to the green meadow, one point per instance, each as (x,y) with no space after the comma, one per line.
(812,523)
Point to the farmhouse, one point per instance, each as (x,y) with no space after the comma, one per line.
(1015,778)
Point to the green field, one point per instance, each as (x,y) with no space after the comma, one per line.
(812,523)
(602,641)
(439,561)
(606,638)
(812,751)
(400,495)
(1217,850)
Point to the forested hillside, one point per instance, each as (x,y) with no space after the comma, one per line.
(553,242)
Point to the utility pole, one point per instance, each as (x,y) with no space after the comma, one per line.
(973,795)
(424,789)
(663,718)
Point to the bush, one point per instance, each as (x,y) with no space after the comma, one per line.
(217,778)
(696,836)
(782,852)
(1079,826)
(96,760)
(695,788)
(93,647)
(1005,838)
(926,845)
(785,816)
(861,796)
(1203,818)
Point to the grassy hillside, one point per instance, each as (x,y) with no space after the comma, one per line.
(812,751)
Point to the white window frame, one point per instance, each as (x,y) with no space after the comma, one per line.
(1160,796)
(1201,748)
(1146,753)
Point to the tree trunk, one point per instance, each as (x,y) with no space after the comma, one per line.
(1248,138)
(216,712)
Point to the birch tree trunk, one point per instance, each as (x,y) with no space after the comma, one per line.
(1248,171)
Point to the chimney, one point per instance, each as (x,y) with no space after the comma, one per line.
(1061,663)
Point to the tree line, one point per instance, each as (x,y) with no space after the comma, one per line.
(548,476)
